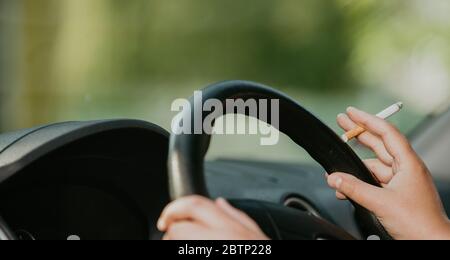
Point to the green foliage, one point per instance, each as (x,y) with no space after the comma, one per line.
(288,42)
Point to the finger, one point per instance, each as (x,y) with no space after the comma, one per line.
(340,196)
(193,208)
(237,215)
(366,195)
(383,173)
(396,144)
(185,230)
(368,139)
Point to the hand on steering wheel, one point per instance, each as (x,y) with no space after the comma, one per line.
(198,218)
(407,204)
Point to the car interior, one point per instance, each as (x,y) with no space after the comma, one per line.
(110,179)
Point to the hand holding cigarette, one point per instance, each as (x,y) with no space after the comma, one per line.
(385,114)
(407,203)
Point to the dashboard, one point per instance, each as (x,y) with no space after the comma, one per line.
(301,187)
(106,185)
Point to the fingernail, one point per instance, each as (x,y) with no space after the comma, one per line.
(338,183)
(161,225)
(325,175)
(351,109)
(223,202)
(340,115)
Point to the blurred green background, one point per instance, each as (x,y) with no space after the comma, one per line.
(64,60)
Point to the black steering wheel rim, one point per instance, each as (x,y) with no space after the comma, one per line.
(187,151)
(5,231)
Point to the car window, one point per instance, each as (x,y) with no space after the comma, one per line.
(84,60)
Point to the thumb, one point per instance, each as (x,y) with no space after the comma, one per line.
(366,195)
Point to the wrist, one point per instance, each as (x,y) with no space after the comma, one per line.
(442,232)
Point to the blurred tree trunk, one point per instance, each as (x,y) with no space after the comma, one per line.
(8,63)
(3,62)
(39,98)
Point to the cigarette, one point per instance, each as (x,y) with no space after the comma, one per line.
(385,114)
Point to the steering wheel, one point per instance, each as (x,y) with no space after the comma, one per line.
(187,154)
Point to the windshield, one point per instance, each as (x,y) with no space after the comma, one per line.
(63,60)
